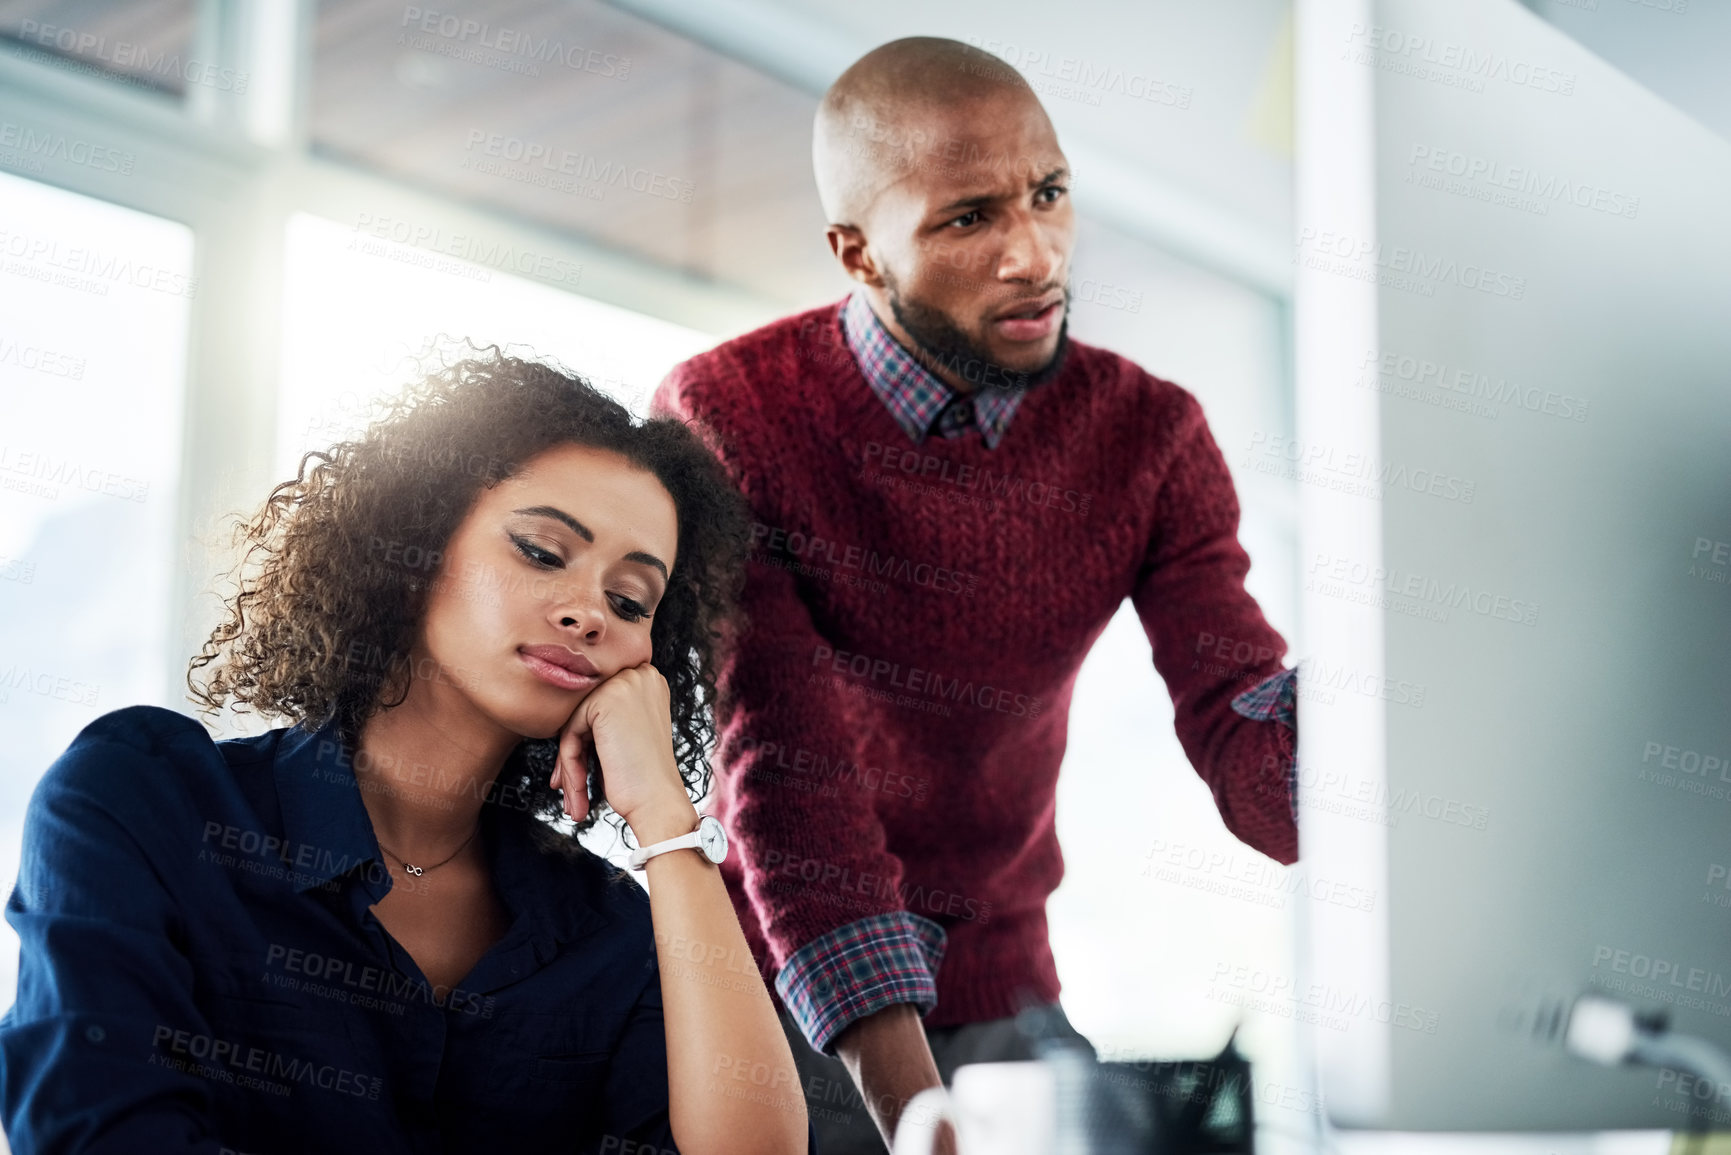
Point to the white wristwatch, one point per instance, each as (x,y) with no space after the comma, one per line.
(709,839)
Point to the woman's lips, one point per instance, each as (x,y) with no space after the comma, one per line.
(1034,328)
(556,675)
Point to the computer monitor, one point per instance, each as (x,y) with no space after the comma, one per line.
(1514,460)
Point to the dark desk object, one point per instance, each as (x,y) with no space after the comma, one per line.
(1153,1107)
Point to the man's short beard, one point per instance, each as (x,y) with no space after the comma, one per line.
(942,345)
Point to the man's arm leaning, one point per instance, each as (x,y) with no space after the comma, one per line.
(1212,644)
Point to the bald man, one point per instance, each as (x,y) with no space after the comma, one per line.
(952,499)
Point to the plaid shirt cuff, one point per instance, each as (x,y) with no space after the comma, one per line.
(859,969)
(1273,699)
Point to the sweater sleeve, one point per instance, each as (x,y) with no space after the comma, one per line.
(1218,655)
(817,869)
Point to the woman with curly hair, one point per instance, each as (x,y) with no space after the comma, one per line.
(490,618)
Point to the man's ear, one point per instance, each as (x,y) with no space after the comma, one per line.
(849,246)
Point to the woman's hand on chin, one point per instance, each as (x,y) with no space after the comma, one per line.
(628,720)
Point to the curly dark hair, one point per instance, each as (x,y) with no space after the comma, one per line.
(298,644)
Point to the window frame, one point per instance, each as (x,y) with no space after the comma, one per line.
(234,168)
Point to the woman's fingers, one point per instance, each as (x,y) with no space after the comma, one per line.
(577,792)
(569,774)
(571,744)
(626,722)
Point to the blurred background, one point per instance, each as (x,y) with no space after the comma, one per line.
(227,225)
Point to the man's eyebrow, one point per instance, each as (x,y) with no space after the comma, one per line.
(586,534)
(982,199)
(972,202)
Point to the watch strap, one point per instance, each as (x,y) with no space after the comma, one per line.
(644,853)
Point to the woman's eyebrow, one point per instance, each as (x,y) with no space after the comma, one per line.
(649,559)
(587,535)
(577,527)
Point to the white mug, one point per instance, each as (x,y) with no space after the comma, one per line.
(995,1108)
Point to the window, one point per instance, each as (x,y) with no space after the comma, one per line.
(359,308)
(144,43)
(95,301)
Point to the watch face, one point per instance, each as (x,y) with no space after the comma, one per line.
(712,839)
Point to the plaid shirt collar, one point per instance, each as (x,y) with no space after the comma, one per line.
(913,394)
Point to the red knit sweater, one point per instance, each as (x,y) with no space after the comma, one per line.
(894,717)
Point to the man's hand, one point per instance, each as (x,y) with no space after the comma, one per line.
(891,1062)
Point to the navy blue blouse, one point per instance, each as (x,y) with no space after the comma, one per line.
(200,971)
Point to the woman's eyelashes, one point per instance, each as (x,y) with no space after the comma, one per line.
(628,608)
(540,557)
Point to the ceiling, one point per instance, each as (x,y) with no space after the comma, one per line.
(1218,125)
(552,110)
(137,40)
(706,106)
(721,111)
(1175,114)
(1678,49)
(460,115)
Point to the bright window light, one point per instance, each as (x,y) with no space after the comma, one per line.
(94,308)
(358,310)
